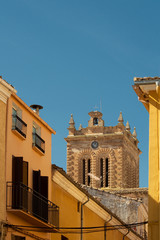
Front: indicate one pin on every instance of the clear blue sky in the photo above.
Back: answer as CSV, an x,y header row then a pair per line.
x,y
70,55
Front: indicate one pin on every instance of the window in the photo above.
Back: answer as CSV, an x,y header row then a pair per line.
x,y
18,125
19,183
40,197
14,116
37,142
33,201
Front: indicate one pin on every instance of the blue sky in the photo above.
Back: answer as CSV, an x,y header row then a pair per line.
x,y
69,56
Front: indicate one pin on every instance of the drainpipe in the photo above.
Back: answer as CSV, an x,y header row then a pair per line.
x,y
82,217
126,234
105,224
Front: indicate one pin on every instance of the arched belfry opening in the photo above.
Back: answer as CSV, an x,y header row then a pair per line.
x,y
95,121
84,176
104,172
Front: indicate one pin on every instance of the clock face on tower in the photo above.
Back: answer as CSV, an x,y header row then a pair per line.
x,y
94,144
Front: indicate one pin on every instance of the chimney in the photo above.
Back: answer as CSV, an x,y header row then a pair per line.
x,y
36,108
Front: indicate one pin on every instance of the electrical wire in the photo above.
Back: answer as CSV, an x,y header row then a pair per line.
x,y
75,230
125,225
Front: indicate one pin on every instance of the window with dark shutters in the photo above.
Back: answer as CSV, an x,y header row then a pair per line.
x,y
36,189
17,169
19,183
33,201
44,192
40,197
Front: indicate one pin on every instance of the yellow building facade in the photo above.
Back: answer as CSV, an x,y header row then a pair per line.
x,y
148,91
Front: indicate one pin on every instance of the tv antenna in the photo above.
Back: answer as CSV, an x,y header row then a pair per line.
x,y
100,105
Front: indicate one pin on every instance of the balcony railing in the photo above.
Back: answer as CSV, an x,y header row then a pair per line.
x,y
38,142
21,197
19,125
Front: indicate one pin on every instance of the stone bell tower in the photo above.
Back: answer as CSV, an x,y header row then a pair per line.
x,y
101,156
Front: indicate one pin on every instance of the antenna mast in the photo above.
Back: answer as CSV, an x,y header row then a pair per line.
x,y
100,105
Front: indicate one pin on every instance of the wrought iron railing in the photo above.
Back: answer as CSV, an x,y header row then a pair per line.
x,y
19,125
38,142
21,197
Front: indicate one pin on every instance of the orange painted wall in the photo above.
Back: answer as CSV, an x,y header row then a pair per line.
x,y
23,148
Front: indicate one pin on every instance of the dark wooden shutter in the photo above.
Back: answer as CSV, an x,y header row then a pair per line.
x,y
44,193
25,173
17,179
44,186
36,180
17,169
36,203
25,186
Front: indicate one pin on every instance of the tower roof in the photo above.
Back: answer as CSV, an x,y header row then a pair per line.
x,y
94,114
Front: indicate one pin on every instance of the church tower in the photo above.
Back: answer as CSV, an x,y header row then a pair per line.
x,y
100,156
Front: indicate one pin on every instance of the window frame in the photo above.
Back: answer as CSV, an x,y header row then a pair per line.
x,y
19,127
38,144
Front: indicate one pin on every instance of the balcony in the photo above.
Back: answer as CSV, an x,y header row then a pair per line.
x,y
32,206
19,127
38,144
